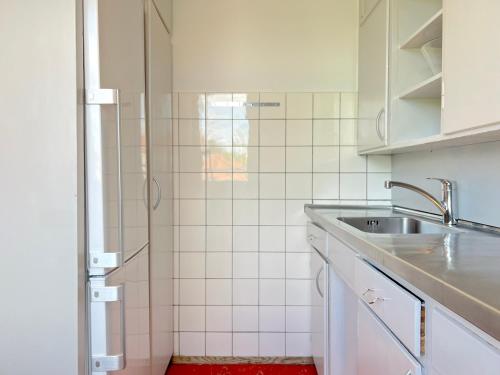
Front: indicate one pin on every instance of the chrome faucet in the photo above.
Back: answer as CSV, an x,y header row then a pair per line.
x,y
445,206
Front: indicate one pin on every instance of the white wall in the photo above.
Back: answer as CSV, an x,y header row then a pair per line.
x,y
39,278
265,45
474,169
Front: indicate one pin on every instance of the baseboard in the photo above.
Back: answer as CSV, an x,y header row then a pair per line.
x,y
242,360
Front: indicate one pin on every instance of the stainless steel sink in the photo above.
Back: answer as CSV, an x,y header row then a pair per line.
x,y
396,225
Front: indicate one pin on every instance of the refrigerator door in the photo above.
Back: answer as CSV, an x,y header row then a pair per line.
x,y
115,131
118,319
159,52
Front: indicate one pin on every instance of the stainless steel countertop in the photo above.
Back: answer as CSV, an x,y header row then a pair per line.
x,y
459,270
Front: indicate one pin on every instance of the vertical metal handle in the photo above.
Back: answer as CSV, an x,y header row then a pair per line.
x,y
158,195
120,175
377,124
317,282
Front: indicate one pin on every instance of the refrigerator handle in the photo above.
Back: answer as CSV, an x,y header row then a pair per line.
x,y
111,97
104,363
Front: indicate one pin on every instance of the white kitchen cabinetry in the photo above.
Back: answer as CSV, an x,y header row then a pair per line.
x,y
471,71
372,77
379,353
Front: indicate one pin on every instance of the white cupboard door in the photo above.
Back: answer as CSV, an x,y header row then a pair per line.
x,y
159,51
379,353
372,78
471,72
319,315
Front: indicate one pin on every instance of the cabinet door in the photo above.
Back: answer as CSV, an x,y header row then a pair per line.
x,y
161,184
471,72
166,12
372,78
319,314
379,353
365,7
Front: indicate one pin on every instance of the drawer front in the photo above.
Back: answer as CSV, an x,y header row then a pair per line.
x,y
400,310
458,351
317,238
342,260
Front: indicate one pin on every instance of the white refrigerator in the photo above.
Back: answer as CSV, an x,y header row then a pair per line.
x,y
119,182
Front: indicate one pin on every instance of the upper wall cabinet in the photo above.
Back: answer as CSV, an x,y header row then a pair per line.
x,y
471,68
165,8
372,75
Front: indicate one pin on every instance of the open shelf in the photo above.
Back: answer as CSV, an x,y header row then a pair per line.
x,y
430,88
432,29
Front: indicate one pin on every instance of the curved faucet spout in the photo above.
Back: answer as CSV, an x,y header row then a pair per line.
x,y
444,206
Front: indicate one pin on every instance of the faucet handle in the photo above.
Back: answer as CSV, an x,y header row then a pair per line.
x,y
445,182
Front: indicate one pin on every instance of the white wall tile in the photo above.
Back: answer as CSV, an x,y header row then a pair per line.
x,y
299,105
175,105
298,344
272,265
219,344
272,238
246,186
245,238
349,105
326,132
272,132
272,185
219,265
245,344
348,132
192,212
245,265
191,159
246,212
295,214
245,318
298,265
272,318
326,186
192,318
379,163
298,319
326,159
376,189
219,185
219,212
272,212
326,105
299,185
299,132
272,292
192,291
191,132
191,105
246,112
192,343
219,318
219,238
298,292
192,265
245,292
350,161
192,185
219,132
245,132
296,239
219,292
273,112
299,159
219,106
245,159
272,344
353,186
272,159
192,238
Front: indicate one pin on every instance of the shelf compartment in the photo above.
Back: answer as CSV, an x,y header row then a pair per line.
x,y
430,88
432,29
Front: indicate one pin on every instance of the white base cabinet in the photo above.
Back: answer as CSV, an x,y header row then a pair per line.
x,y
319,314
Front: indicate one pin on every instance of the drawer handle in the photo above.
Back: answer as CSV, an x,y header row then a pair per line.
x,y
408,372
312,237
369,290
318,288
376,299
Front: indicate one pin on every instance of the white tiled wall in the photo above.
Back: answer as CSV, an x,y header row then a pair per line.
x,y
243,177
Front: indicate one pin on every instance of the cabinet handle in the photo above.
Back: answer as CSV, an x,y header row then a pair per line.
x,y
377,124
317,282
158,196
369,290
409,372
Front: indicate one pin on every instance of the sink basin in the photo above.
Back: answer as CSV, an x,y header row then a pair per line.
x,y
395,225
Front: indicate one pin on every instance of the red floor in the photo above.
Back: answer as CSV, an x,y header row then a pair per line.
x,y
241,370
